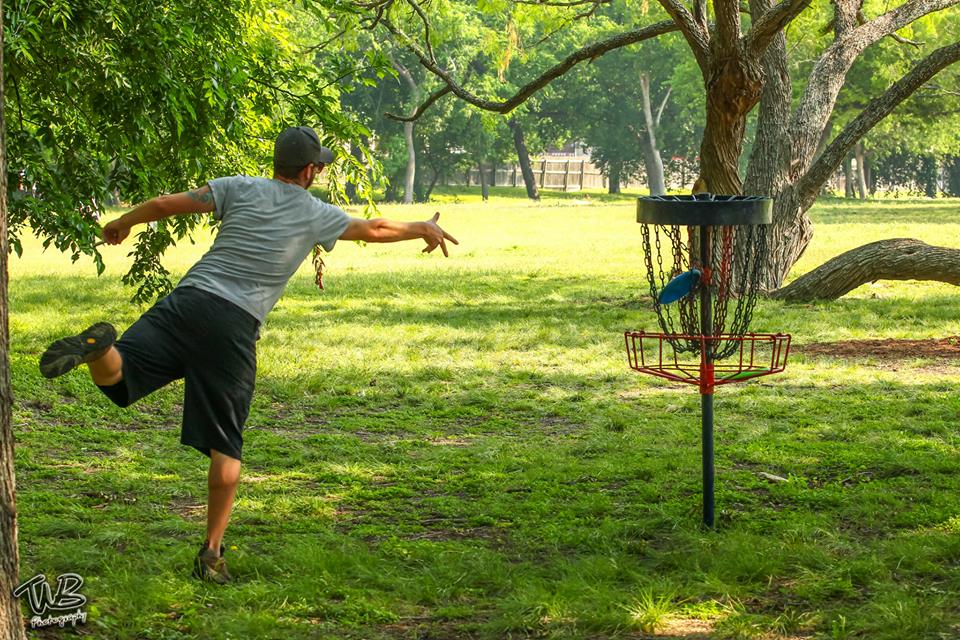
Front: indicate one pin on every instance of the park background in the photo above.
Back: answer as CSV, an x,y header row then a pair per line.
x,y
455,448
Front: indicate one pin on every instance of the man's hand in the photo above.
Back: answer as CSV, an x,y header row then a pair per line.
x,y
435,237
383,230
200,200
116,231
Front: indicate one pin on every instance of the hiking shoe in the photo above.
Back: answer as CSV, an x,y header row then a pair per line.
x,y
66,354
210,567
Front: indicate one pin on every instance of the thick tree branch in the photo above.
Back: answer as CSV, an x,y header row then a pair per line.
x,y
663,105
894,259
830,71
727,15
433,97
769,159
588,52
772,22
844,16
700,14
898,18
697,36
862,19
876,110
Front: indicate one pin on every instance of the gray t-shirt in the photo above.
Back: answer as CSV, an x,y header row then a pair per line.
x,y
267,228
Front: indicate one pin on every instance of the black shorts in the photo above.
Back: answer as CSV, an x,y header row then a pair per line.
x,y
208,341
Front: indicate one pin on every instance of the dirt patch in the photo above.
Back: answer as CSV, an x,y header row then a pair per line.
x,y
887,349
188,508
687,628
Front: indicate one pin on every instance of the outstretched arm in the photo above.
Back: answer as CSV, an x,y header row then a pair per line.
x,y
383,230
199,200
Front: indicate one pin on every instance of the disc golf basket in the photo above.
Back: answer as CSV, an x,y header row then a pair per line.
x,y
704,257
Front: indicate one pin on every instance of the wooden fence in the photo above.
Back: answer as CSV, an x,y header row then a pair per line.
x,y
564,174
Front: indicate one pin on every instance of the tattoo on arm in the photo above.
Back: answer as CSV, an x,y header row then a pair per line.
x,y
202,195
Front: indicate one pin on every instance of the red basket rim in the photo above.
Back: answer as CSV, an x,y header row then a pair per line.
x,y
745,364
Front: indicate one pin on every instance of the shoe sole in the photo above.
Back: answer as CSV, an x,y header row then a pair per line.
x,y
68,353
209,574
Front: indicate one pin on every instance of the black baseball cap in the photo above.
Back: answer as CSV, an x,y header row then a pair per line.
x,y
299,146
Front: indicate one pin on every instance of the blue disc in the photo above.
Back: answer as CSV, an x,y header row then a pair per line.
x,y
680,286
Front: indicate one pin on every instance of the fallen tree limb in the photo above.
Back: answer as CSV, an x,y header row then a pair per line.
x,y
894,259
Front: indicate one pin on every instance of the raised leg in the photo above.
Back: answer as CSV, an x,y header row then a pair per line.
x,y
107,370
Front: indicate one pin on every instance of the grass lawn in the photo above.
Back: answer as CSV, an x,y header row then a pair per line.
x,y
455,448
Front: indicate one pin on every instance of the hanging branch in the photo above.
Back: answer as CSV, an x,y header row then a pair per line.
x,y
588,52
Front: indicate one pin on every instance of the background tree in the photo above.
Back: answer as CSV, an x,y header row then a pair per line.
x,y
620,106
743,59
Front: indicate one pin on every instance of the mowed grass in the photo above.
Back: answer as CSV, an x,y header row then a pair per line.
x,y
455,448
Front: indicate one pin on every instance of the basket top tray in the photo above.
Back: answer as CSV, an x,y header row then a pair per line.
x,y
704,209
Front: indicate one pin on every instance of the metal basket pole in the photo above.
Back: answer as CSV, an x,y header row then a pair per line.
x,y
706,379
737,217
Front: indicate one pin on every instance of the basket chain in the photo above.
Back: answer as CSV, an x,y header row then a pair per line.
x,y
744,253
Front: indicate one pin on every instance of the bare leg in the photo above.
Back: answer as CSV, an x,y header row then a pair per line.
x,y
107,369
222,487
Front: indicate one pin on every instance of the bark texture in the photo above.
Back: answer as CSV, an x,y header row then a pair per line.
x,y
734,85
11,621
895,259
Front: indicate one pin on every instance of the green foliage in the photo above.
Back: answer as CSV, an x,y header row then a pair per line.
x,y
111,99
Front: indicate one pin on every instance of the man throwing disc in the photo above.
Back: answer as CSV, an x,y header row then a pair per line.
x,y
206,330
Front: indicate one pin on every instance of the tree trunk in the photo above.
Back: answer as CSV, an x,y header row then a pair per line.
x,y
351,188
11,622
484,185
523,158
788,237
861,172
894,259
953,176
411,174
613,185
734,86
770,158
652,161
433,183
848,178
